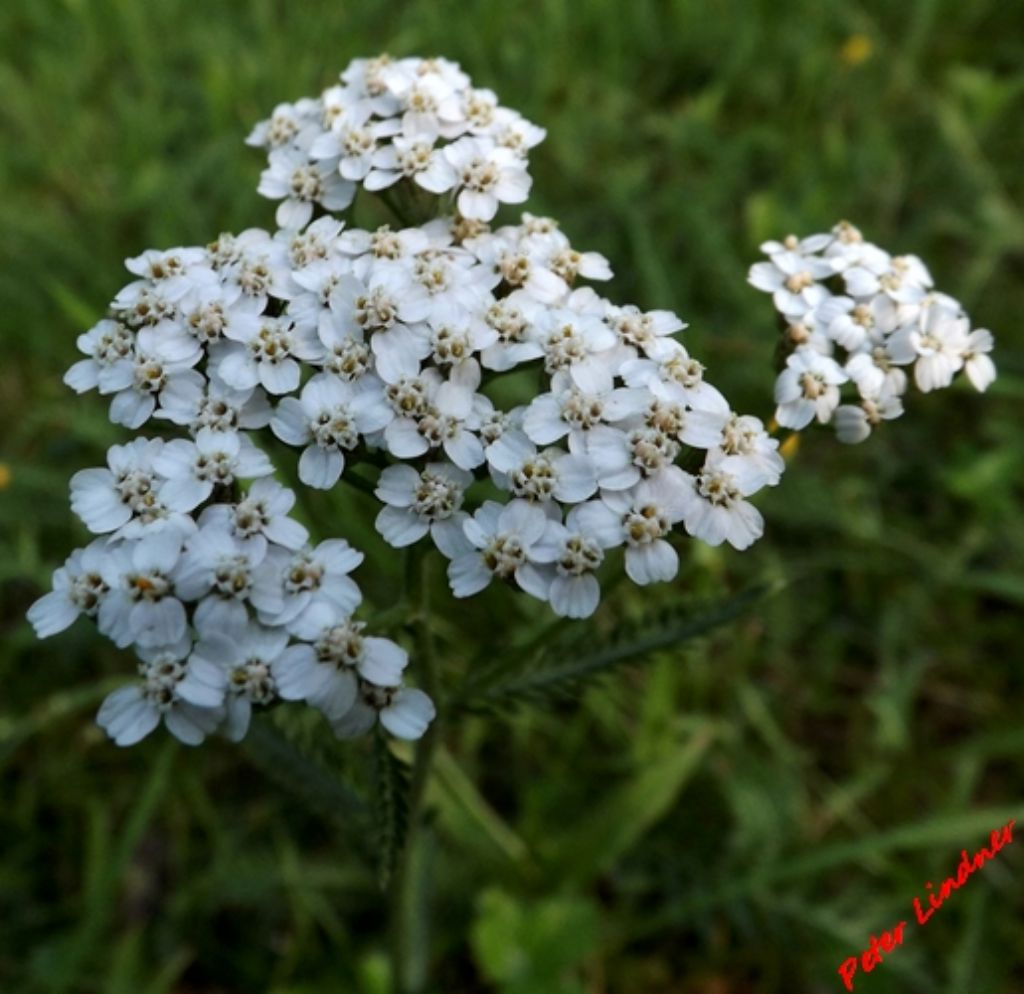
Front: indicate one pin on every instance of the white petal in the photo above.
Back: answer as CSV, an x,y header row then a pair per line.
x,y
409,714
400,527
575,596
651,563
320,468
52,613
383,662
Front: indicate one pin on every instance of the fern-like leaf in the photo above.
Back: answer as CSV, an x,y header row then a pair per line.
x,y
557,670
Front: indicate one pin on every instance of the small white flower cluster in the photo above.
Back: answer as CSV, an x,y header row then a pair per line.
x,y
227,607
885,316
415,119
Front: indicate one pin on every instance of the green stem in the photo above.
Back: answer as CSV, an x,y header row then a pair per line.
x,y
410,887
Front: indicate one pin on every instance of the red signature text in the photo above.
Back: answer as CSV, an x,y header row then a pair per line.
x,y
888,941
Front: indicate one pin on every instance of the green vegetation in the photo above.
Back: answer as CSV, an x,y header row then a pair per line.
x,y
741,812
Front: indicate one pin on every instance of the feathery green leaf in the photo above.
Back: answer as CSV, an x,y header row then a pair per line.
x,y
559,668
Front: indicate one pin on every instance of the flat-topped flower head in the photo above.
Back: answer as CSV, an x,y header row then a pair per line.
x,y
874,314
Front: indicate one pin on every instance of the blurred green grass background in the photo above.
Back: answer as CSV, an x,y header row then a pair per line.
x,y
744,813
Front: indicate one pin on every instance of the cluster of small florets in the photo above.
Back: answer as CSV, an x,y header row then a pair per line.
x,y
419,120
228,606
883,317
351,344
371,347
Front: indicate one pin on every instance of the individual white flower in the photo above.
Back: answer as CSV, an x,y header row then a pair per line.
x,y
133,406
428,101
569,337
978,366
259,666
214,459
807,389
142,304
643,332
176,271
478,109
264,350
344,656
573,410
299,184
905,280
552,249
459,288
511,130
432,413
540,476
520,265
422,501
383,293
414,157
294,583
213,404
250,267
288,124
217,570
110,346
855,326
405,712
329,418
855,422
124,499
501,540
681,376
351,143
207,313
487,175
347,355
878,370
386,243
78,588
318,242
187,694
640,518
940,341
455,334
744,437
792,280
140,605
366,83
311,288
572,553
261,516
714,506
509,317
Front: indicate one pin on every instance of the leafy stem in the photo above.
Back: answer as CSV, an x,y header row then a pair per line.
x,y
409,887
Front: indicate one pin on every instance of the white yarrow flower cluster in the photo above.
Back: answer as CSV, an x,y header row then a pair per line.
x,y
380,349
418,120
856,317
